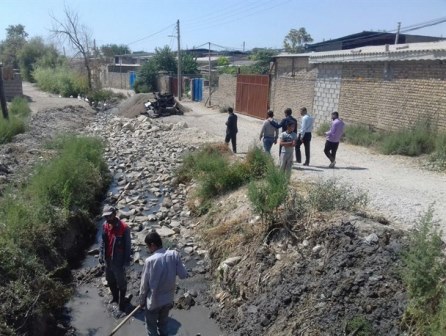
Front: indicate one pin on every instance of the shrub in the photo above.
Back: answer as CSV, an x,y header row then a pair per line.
x,y
438,157
19,111
411,142
61,80
361,135
268,194
258,162
359,326
329,195
423,274
324,127
34,220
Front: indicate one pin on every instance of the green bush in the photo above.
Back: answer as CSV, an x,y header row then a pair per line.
x,y
34,220
324,127
361,135
18,112
423,274
410,142
359,326
258,162
61,80
438,157
19,107
268,194
329,195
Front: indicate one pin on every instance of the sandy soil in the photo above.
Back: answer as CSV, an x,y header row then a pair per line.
x,y
399,188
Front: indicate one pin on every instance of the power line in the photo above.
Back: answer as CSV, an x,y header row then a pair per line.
x,y
148,36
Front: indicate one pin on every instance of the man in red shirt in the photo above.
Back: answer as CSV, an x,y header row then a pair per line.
x,y
115,252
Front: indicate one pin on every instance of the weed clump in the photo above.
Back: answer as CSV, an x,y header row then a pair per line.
x,y
324,127
16,124
423,275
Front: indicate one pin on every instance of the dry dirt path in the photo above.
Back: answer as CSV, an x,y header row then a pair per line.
x,y
397,186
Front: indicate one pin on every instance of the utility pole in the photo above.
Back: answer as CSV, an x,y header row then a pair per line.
x,y
179,61
243,46
397,33
210,74
3,104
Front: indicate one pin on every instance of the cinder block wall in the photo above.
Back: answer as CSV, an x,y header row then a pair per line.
x,y
13,87
224,95
393,95
116,80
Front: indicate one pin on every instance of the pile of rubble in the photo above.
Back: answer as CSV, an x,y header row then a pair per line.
x,y
162,105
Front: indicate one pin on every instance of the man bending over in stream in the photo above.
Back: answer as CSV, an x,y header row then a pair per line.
x,y
115,251
158,283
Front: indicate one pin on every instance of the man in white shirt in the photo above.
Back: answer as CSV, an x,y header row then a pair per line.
x,y
158,284
305,136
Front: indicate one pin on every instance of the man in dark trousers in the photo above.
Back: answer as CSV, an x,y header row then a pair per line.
x,y
304,136
115,252
284,123
333,137
231,129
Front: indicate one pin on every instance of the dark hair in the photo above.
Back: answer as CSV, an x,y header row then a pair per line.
x,y
303,109
270,113
153,238
230,110
336,114
288,111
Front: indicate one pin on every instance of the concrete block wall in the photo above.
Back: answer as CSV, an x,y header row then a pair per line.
x,y
115,79
224,94
13,87
293,91
327,89
394,95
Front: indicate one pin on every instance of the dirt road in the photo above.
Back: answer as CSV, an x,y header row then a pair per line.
x,y
398,187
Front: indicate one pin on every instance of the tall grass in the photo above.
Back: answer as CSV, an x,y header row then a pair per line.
x,y
414,141
33,223
423,274
438,157
19,110
61,80
361,135
324,127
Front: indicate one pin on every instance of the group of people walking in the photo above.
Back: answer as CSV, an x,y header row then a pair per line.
x,y
290,139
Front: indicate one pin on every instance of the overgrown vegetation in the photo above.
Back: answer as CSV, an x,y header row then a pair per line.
x,y
423,275
324,127
16,124
61,80
413,141
38,223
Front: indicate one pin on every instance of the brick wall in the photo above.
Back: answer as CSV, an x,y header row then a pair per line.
x,y
293,91
224,94
393,95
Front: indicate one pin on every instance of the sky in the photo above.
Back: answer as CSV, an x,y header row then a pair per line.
x,y
229,24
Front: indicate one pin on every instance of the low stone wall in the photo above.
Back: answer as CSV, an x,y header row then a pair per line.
x,y
224,94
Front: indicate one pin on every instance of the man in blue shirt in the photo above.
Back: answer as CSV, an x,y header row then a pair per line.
x,y
284,123
304,136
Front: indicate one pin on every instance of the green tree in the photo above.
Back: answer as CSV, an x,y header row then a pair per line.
x,y
165,60
189,65
110,50
15,40
223,61
263,57
295,40
34,52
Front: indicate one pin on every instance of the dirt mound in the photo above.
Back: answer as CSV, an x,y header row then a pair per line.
x,y
134,106
339,279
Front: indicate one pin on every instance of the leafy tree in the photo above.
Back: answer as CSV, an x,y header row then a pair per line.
x,y
34,52
110,50
222,61
296,39
189,65
165,60
15,40
263,57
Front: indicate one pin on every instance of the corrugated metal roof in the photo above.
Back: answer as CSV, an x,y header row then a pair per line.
x,y
393,52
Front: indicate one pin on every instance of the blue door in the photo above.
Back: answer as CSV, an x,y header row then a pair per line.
x,y
132,78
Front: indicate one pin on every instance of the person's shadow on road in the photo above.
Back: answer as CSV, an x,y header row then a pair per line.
x,y
340,167
172,325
